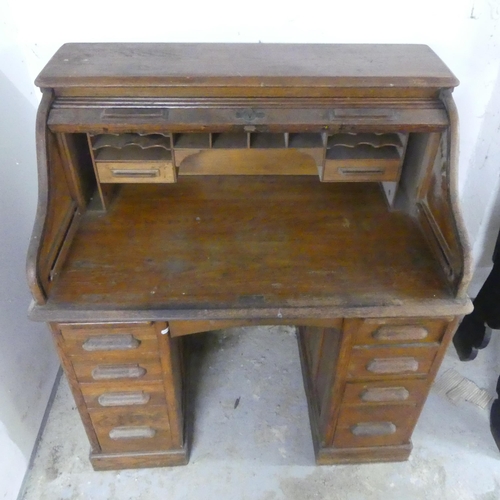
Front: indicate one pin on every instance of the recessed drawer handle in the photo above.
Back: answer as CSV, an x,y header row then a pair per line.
x,y
132,433
409,332
373,429
152,172
361,171
118,371
124,398
373,114
392,365
120,342
124,113
384,394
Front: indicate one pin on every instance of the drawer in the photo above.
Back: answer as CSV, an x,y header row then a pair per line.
x,y
121,430
400,330
136,172
385,392
110,373
385,362
113,342
124,395
375,425
361,171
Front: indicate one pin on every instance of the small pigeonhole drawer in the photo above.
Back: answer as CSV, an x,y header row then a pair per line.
x,y
364,157
127,172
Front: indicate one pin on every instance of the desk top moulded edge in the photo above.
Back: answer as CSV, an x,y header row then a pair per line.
x,y
306,69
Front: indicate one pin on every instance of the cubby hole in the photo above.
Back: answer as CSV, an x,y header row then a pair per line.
x,y
267,141
192,141
306,140
229,140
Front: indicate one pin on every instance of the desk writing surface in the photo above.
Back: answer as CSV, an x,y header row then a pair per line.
x,y
247,241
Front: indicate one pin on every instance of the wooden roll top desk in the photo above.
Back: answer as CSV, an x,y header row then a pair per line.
x,y
192,187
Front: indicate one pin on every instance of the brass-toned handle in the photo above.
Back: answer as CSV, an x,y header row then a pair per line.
x,y
132,433
403,332
117,342
124,398
384,394
118,371
361,171
152,172
373,429
392,365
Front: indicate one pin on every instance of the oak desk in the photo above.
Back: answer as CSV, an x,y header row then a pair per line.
x,y
191,187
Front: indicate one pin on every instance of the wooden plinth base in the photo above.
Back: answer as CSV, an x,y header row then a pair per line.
x,y
116,461
332,456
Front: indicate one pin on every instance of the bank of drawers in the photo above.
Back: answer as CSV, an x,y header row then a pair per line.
x,y
119,372
387,380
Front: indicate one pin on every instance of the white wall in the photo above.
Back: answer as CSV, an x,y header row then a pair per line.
x,y
28,363
465,33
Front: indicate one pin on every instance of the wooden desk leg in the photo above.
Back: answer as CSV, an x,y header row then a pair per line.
x,y
324,354
127,381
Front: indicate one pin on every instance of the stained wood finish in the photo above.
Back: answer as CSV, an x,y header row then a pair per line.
x,y
130,398
379,362
248,162
120,430
386,391
220,66
130,460
254,236
378,331
375,278
375,426
179,328
276,115
98,395
76,389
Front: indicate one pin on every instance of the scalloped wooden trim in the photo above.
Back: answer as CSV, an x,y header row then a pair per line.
x,y
466,276
35,282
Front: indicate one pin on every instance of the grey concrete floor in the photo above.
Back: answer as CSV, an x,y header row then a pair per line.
x,y
262,450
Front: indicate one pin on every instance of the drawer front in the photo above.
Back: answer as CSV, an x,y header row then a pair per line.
x,y
385,392
125,395
400,331
116,342
136,172
390,362
132,430
375,426
361,171
111,373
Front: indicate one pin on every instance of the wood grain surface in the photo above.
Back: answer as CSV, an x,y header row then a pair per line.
x,y
209,242
292,65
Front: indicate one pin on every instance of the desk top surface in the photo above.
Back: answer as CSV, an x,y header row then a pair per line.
x,y
250,65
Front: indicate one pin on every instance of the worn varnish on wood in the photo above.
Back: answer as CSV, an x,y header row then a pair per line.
x,y
189,187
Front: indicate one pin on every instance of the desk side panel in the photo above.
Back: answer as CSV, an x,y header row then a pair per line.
x,y
57,214
438,208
